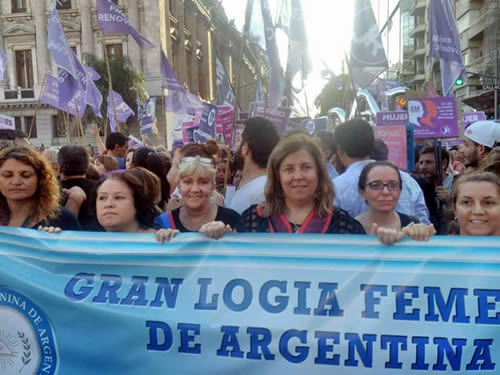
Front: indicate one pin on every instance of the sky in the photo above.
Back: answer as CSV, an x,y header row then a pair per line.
x,y
329,28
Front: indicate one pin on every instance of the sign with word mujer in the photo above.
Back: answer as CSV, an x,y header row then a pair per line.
x,y
434,117
104,303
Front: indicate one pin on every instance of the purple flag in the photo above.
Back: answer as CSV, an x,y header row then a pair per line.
x,y
54,92
367,58
123,111
298,53
112,20
275,82
57,44
177,99
445,43
68,86
3,64
94,76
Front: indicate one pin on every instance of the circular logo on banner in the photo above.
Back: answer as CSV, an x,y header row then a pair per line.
x,y
27,344
211,117
311,127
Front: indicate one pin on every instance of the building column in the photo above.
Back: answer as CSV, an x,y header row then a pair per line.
x,y
134,51
181,53
88,43
42,56
151,30
3,82
194,60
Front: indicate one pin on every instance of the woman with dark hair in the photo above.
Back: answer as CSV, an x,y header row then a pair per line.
x,y
380,186
151,160
29,192
129,159
475,200
123,205
298,193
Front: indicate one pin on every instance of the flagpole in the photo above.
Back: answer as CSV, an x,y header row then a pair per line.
x,y
68,132
358,113
37,107
80,125
106,57
236,91
303,87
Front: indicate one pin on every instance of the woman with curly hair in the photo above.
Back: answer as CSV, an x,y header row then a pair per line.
x,y
29,192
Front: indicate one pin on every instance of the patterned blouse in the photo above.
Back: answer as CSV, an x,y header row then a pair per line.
x,y
341,223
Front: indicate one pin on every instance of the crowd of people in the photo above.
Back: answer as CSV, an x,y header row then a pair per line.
x,y
332,182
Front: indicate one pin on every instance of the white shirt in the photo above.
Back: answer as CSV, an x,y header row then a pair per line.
x,y
249,194
411,201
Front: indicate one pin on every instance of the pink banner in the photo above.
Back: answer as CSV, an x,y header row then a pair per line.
x,y
188,127
223,123
394,137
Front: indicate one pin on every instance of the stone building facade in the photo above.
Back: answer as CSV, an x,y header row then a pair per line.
x,y
192,32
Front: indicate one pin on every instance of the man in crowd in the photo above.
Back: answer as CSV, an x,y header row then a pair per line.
x,y
116,145
355,143
480,138
73,163
257,142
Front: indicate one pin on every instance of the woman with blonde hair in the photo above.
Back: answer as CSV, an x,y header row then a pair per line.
x,y
196,184
29,192
475,201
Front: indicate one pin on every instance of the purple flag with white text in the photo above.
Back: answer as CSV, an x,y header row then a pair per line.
x,y
57,44
367,57
94,76
123,111
112,20
68,86
54,91
3,64
445,43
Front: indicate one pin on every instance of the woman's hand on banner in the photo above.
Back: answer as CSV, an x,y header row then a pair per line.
x,y
164,235
215,229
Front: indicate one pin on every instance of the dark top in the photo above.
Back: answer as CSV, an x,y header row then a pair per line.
x,y
341,222
406,220
226,215
87,215
66,221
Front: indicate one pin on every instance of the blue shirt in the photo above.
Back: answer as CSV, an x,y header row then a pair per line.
x,y
411,202
332,172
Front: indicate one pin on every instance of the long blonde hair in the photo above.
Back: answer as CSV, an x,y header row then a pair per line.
x,y
275,197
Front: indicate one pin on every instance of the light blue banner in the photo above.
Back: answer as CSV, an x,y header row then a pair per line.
x,y
102,303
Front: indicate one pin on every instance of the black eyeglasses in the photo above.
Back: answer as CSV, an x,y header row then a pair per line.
x,y
379,186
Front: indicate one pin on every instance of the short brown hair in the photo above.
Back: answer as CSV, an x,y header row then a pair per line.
x,y
275,198
109,162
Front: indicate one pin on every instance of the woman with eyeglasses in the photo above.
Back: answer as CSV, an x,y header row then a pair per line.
x,y
196,184
380,186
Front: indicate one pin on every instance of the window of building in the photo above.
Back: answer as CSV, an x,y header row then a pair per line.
x,y
114,50
18,6
24,69
58,126
27,127
63,4
19,125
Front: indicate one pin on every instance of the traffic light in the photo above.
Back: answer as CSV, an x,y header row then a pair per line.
x,y
459,82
